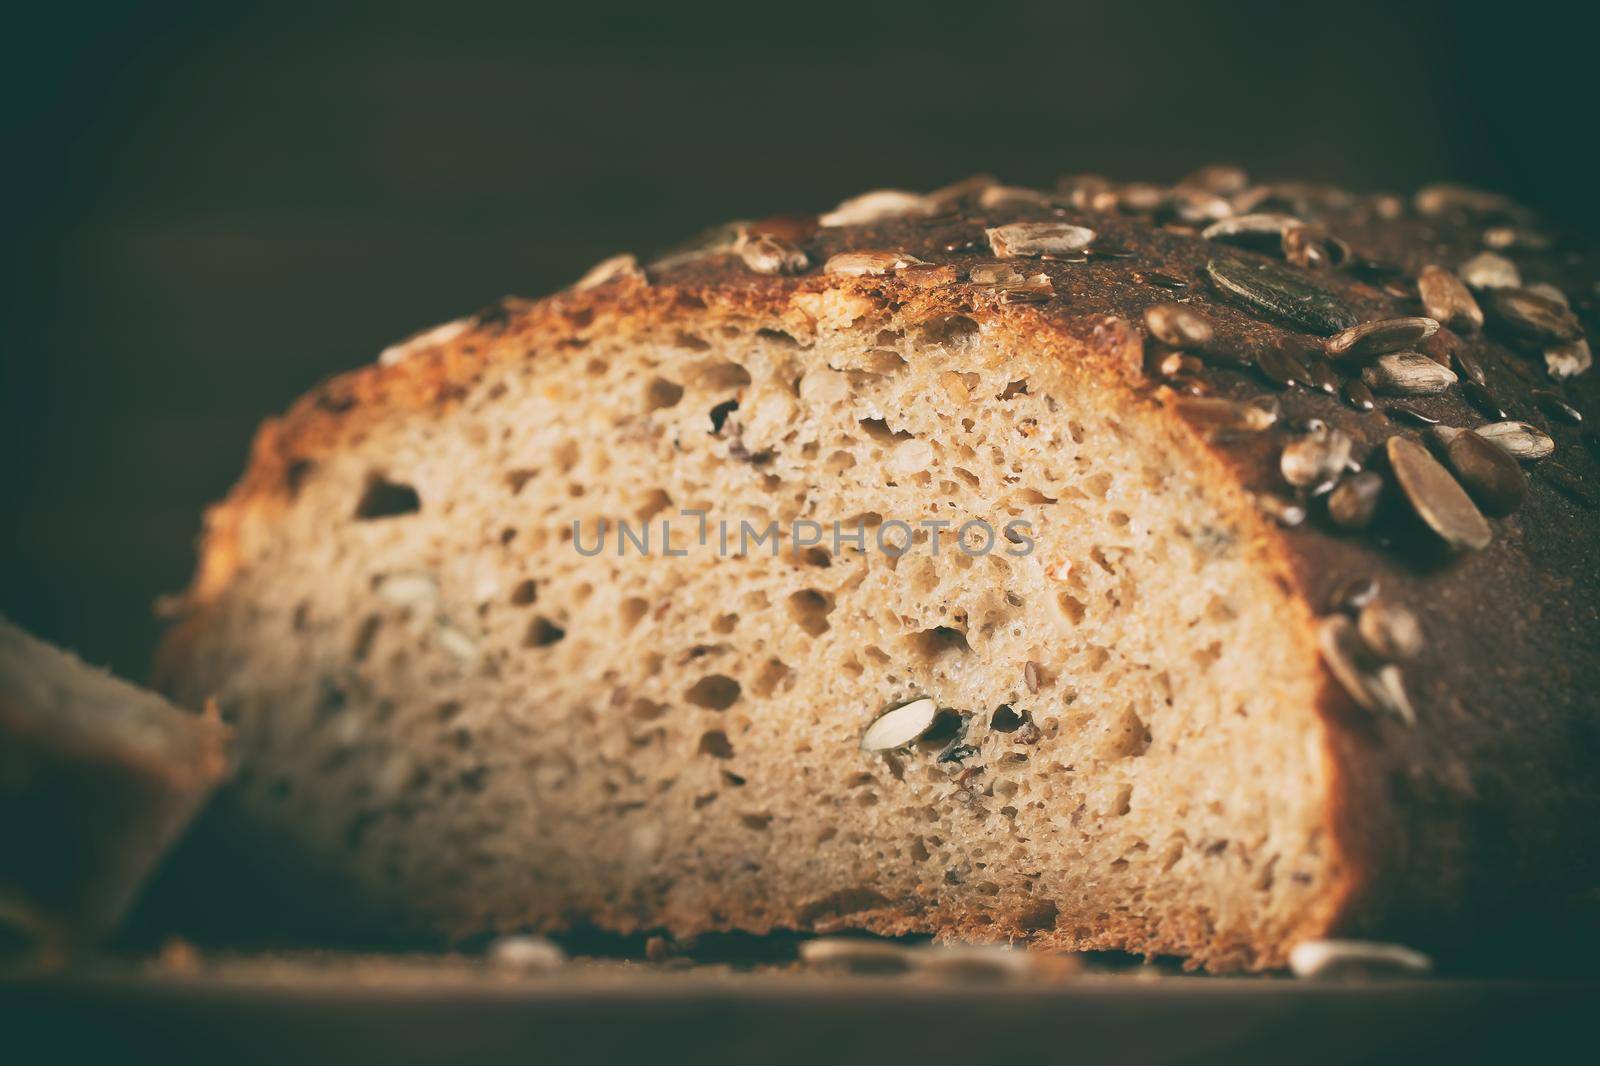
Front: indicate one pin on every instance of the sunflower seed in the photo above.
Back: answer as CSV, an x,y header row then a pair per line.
x,y
1195,206
1165,281
1437,497
716,240
1354,593
1011,197
1517,439
899,726
526,953
984,963
1218,413
1286,513
1359,396
1407,374
860,264
1445,298
1556,407
1038,238
849,955
1467,365
1280,293
772,255
1313,247
1482,399
1383,335
1142,198
1490,475
1258,230
1281,368
1506,238
1179,365
960,192
1316,458
1374,686
1323,377
1084,191
618,266
1354,501
1532,316
1335,959
1568,360
1178,326
1390,631
1489,271
1221,179
1406,413
1443,199
876,206
1103,249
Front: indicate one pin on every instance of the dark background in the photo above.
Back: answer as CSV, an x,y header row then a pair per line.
x,y
213,208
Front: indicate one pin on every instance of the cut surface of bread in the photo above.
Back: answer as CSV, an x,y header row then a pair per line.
x,y
579,611
97,779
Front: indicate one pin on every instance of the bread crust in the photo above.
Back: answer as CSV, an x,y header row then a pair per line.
x,y
1488,805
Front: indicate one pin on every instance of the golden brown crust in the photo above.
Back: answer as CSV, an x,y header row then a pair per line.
x,y
1491,796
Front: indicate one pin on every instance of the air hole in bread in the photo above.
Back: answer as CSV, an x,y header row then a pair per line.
x,y
542,633
295,475
631,610
525,592
383,498
930,644
715,743
720,376
715,692
809,609
719,415
662,394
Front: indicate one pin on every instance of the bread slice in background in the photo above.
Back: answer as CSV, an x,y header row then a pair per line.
x,y
474,726
98,779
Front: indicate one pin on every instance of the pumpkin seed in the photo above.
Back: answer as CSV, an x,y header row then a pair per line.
x,y
1437,497
1280,293
1491,476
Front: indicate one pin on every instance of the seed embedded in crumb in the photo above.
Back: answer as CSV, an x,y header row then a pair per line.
x,y
1334,959
899,726
1038,238
1178,326
1446,298
1030,675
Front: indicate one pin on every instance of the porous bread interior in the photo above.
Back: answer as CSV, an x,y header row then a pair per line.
x,y
444,698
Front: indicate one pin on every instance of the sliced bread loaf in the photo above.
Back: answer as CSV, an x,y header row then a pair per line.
x,y
998,564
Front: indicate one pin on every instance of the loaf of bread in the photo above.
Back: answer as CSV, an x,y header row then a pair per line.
x,y
97,779
1183,570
